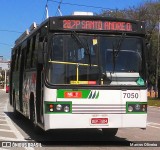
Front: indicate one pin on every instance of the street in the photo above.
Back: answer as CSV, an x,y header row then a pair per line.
x,y
20,129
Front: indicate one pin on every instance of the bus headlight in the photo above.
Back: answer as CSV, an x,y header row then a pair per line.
x,y
130,108
58,107
136,107
66,109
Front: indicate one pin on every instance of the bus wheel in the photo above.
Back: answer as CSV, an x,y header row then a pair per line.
x,y
110,132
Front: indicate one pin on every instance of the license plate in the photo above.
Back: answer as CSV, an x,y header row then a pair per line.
x,y
99,120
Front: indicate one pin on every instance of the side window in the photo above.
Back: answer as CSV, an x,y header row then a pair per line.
x,y
28,58
14,61
33,52
17,54
16,57
41,44
18,60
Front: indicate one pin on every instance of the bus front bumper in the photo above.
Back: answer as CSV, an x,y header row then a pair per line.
x,y
77,121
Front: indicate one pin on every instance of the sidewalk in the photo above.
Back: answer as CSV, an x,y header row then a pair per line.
x,y
3,89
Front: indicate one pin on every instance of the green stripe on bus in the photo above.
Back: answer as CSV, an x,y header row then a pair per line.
x,y
61,93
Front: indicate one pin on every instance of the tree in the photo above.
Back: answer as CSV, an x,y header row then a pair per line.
x,y
149,12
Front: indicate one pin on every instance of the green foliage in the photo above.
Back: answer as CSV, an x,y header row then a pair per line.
x,y
149,12
154,102
2,75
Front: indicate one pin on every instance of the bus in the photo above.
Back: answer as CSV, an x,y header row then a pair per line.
x,y
81,72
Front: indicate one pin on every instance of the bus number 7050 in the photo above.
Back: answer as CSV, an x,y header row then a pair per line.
x,y
131,95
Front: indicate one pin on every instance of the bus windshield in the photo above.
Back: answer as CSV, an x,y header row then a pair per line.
x,y
95,59
122,60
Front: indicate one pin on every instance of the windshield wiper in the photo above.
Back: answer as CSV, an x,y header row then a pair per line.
x,y
113,58
82,45
118,47
117,50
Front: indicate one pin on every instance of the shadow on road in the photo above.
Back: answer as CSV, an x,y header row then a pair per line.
x,y
71,137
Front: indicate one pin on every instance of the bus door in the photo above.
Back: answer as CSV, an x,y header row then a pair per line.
x,y
21,73
41,43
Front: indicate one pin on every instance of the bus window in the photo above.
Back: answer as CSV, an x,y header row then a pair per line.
x,y
14,60
69,61
33,53
17,59
57,53
28,53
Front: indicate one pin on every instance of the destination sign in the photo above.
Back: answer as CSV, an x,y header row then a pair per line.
x,y
98,25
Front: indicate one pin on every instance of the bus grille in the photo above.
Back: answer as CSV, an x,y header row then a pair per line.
x,y
98,108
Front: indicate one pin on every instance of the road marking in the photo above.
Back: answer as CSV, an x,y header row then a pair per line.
x,y
2,119
13,129
6,130
153,112
153,125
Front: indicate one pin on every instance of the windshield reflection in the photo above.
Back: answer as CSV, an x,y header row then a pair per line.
x,y
69,62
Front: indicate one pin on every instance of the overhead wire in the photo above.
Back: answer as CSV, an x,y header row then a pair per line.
x,y
91,6
59,8
6,44
10,31
73,4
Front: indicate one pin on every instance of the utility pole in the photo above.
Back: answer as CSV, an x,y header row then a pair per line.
x,y
157,62
5,78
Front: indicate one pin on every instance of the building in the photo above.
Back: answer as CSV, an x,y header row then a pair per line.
x,y
4,64
4,72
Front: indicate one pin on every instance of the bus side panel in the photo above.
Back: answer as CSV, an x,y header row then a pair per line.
x,y
15,89
29,87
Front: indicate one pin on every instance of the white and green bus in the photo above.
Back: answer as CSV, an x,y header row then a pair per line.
x,y
81,72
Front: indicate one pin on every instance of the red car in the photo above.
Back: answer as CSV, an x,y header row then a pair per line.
x,y
7,88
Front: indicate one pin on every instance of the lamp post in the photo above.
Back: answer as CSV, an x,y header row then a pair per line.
x,y
157,62
5,78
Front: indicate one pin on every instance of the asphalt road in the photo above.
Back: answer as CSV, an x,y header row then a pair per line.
x,y
20,129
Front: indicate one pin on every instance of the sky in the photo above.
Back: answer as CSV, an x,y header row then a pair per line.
x,y
17,15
